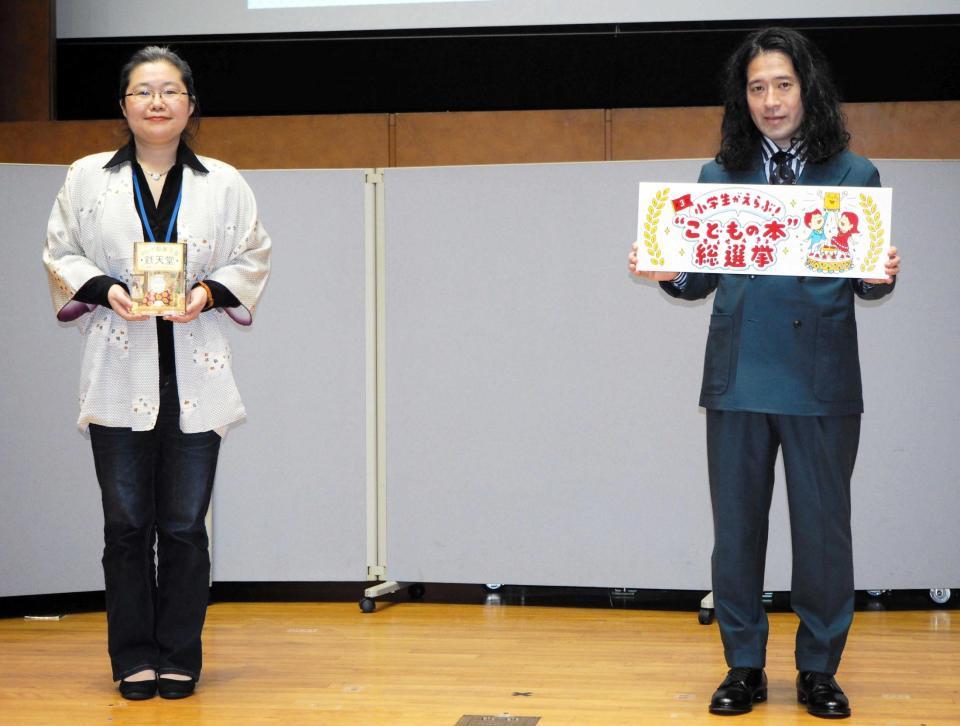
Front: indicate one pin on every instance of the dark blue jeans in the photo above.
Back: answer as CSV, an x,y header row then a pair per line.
x,y
156,487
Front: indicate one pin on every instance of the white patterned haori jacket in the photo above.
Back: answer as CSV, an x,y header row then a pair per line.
x,y
91,232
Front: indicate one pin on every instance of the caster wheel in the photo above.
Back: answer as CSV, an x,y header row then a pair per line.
x,y
940,595
705,617
492,586
877,593
368,604
416,591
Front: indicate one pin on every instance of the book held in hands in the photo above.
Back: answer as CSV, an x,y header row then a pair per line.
x,y
158,283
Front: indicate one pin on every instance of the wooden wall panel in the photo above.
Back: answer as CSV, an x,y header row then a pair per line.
x,y
254,142
919,130
56,142
881,131
905,130
665,133
26,59
297,142
499,137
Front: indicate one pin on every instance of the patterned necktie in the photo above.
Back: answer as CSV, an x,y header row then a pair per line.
x,y
780,170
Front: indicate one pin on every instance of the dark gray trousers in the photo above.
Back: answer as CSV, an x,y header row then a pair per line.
x,y
818,455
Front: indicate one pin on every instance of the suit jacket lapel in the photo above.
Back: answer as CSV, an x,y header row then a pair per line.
x,y
749,176
833,171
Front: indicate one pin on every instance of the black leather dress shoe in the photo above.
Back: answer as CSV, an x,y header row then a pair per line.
x,y
172,688
822,695
739,691
138,690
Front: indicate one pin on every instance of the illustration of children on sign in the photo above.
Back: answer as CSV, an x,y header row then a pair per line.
x,y
816,221
847,226
833,255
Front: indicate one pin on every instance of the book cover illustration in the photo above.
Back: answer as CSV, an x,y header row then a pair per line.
x,y
158,282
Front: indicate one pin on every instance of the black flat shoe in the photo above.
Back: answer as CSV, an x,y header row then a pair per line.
x,y
172,688
822,695
739,691
138,690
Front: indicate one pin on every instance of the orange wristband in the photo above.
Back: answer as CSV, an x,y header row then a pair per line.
x,y
206,289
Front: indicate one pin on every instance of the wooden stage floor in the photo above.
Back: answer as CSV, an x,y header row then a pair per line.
x,y
428,664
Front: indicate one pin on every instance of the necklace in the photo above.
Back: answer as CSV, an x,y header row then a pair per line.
x,y
155,175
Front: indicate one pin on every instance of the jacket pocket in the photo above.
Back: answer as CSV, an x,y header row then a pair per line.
x,y
716,363
837,361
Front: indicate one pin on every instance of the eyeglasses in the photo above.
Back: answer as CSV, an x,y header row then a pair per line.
x,y
144,95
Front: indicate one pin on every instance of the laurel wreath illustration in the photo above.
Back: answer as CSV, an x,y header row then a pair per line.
x,y
875,225
650,226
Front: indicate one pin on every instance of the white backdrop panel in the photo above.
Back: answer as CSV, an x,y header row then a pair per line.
x,y
289,499
542,425
51,522
289,502
905,498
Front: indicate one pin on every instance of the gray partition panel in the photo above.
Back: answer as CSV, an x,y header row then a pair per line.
x,y
51,523
542,421
542,425
289,501
290,490
905,495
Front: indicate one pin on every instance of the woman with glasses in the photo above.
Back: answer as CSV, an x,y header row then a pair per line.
x,y
157,393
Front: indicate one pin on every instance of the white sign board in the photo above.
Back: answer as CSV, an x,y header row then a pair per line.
x,y
763,229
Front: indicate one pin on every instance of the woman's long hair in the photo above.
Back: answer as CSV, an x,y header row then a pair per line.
x,y
823,128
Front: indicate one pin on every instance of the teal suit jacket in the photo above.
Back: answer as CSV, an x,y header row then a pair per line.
x,y
777,344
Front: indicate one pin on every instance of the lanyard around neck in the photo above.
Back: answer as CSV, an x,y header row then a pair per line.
x,y
143,211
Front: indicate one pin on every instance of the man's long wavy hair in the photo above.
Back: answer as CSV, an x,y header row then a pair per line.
x,y
823,128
